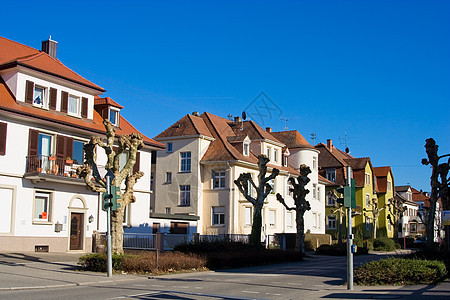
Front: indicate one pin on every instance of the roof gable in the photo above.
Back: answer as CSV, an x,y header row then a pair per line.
x,y
292,139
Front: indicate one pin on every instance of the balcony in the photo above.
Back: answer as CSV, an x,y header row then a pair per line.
x,y
51,169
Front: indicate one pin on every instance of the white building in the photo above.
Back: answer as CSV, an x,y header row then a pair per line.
x,y
47,113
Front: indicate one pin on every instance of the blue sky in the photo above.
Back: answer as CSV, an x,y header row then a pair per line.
x,y
378,71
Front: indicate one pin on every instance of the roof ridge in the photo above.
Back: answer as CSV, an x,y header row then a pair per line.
x,y
192,122
207,114
23,45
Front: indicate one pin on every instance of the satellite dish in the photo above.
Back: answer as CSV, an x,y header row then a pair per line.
x,y
347,150
244,115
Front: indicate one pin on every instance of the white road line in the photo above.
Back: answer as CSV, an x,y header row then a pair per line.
x,y
294,283
156,285
250,292
273,294
139,285
198,288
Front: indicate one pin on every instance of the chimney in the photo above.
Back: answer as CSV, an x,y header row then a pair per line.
x,y
196,114
49,47
269,129
330,145
237,120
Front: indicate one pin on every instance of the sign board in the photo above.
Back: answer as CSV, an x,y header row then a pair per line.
x,y
446,217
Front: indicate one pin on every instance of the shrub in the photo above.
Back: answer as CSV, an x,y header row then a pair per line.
x,y
335,250
400,271
384,244
97,262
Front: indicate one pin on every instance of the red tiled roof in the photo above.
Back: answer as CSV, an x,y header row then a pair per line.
x,y
381,171
106,101
357,163
326,181
8,104
14,54
419,196
186,126
292,139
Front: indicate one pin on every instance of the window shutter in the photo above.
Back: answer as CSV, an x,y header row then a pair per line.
x,y
64,101
84,107
53,93
3,138
29,91
138,160
69,147
60,145
33,142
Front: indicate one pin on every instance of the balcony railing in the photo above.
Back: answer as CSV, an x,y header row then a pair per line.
x,y
51,165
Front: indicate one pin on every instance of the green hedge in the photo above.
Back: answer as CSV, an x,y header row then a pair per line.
x,y
97,262
400,271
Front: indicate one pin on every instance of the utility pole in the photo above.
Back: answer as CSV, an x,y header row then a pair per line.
x,y
349,235
108,224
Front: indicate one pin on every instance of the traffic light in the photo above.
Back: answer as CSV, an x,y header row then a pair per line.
x,y
107,201
340,200
347,192
110,200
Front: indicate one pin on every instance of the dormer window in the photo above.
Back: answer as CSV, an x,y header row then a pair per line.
x,y
114,116
74,106
246,149
331,174
39,96
285,160
275,155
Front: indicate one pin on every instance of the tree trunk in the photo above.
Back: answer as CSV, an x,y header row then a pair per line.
x,y
255,236
117,231
431,216
340,229
375,223
300,238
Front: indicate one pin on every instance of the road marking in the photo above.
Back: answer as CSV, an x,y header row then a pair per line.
x,y
273,294
180,286
294,283
246,274
198,288
250,292
139,285
157,285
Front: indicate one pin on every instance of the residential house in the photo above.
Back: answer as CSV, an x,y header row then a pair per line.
x,y
47,113
410,224
385,195
194,177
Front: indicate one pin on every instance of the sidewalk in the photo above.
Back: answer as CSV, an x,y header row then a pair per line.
x,y
48,270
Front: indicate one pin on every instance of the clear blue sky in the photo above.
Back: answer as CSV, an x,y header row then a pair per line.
x,y
378,70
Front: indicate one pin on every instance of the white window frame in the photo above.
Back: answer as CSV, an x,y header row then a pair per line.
x,y
185,162
275,155
220,175
185,195
168,177
272,184
285,160
268,151
169,147
367,178
44,102
126,215
389,185
314,190
246,149
331,174
367,200
218,215
116,121
368,222
48,207
314,163
331,222
272,218
77,99
248,216
168,210
289,219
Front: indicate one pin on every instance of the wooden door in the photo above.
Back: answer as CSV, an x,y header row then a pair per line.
x,y
76,231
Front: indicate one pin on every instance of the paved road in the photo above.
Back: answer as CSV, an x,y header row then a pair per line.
x,y
317,277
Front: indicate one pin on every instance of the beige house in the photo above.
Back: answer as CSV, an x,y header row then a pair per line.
x,y
194,176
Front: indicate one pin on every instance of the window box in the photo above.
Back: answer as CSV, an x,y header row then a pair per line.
x,y
52,158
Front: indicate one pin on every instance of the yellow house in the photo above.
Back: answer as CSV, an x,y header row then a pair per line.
x,y
385,193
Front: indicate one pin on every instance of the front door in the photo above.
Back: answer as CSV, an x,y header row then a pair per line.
x,y
76,231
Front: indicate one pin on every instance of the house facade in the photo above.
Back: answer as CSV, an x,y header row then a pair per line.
x,y
47,113
385,194
194,176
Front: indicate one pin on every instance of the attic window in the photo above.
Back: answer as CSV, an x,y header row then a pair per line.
x,y
246,149
39,96
114,116
74,106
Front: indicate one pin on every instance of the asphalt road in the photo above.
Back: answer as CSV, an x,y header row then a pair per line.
x,y
316,277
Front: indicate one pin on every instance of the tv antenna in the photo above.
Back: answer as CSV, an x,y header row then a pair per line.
x,y
285,120
345,141
313,137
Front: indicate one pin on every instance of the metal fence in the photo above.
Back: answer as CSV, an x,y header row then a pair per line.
x,y
139,241
243,238
171,240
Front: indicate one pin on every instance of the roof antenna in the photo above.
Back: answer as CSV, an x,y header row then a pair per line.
x,y
285,120
313,137
344,141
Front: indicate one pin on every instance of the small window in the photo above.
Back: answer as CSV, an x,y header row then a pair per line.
x,y
114,116
246,149
367,224
250,187
123,158
248,216
314,191
218,215
413,227
389,185
42,207
314,166
272,184
218,179
272,214
367,179
77,155
39,97
268,150
289,219
367,200
331,222
168,177
74,106
331,174
169,147
152,182
318,193
168,211
185,195
275,155
185,165
285,160
331,201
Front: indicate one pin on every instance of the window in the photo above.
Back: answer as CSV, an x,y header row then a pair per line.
x,y
218,179
331,201
318,193
250,187
246,149
39,96
126,217
272,184
314,166
168,177
248,216
289,219
268,150
331,174
331,222
152,182
3,127
272,218
275,155
77,155
367,199
285,160
123,158
74,106
167,210
114,116
389,185
169,147
367,224
218,215
185,195
367,179
315,220
413,227
41,207
389,226
185,161
314,190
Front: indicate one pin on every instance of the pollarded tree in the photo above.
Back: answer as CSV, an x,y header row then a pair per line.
x,y
341,210
245,183
396,208
89,172
299,193
376,211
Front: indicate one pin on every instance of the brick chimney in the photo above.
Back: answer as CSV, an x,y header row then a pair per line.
x,y
49,47
330,145
237,120
269,129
